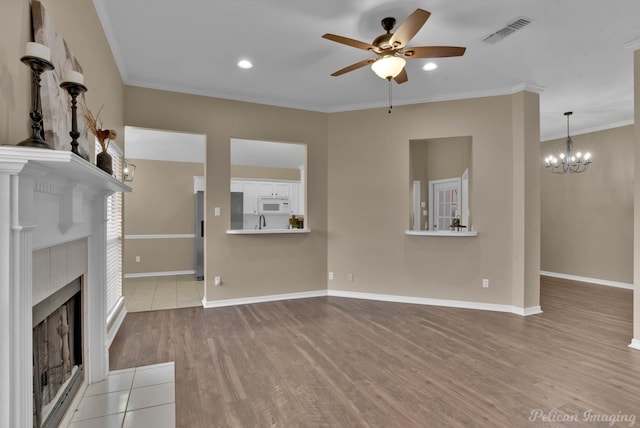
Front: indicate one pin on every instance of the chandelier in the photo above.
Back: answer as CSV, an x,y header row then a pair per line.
x,y
567,161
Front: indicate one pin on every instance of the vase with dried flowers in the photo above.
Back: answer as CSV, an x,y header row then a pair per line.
x,y
104,136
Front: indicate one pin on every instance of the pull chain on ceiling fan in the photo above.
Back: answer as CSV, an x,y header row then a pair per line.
x,y
392,51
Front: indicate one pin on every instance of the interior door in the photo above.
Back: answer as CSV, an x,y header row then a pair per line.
x,y
444,201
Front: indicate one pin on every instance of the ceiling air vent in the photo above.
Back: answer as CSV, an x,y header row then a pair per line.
x,y
507,30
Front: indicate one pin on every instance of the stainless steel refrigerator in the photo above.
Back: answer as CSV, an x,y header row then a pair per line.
x,y
199,232
237,208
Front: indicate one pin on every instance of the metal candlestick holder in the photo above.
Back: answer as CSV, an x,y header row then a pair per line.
x,y
74,89
38,66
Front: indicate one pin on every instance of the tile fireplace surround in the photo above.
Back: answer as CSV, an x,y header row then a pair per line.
x,y
48,198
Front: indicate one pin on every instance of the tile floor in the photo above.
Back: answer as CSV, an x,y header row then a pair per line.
x,y
138,397
162,292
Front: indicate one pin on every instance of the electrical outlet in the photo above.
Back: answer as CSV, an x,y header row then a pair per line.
x,y
137,259
216,211
350,276
330,276
217,280
485,283
423,204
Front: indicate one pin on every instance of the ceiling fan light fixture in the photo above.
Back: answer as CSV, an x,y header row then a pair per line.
x,y
388,67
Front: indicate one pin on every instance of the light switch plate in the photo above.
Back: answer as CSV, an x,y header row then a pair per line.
x,y
216,211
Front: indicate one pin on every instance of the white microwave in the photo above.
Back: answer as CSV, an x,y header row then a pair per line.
x,y
274,206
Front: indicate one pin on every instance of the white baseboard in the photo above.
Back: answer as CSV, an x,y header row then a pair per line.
x,y
261,299
111,334
379,297
525,312
162,236
437,302
148,274
635,344
589,280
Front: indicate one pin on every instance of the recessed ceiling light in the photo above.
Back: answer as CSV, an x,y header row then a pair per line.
x,y
246,64
430,66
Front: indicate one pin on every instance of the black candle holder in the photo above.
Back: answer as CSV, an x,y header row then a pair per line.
x,y
74,89
38,66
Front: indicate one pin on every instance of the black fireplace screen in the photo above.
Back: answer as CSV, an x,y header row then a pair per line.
x,y
57,360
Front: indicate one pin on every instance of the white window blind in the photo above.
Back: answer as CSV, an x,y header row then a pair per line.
x,y
114,235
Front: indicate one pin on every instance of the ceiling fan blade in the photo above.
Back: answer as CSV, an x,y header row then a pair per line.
x,y
402,76
350,42
433,51
409,28
352,67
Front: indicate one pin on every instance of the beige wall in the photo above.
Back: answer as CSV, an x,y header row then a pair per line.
x,y
248,265
368,171
525,193
161,203
587,219
78,23
264,173
158,255
418,166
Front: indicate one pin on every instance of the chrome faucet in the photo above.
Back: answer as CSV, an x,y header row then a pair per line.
x,y
262,221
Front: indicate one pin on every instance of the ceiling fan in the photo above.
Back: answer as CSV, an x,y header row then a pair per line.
x,y
391,48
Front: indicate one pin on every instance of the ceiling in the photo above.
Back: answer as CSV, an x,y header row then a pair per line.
x,y
578,52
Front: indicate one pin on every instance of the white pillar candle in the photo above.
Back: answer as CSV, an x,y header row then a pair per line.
x,y
39,51
73,76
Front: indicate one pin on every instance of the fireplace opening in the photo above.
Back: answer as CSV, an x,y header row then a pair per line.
x,y
57,354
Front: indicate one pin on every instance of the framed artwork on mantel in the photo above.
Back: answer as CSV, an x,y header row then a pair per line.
x,y
56,103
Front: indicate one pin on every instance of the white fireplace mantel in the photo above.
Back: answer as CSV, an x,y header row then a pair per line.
x,y
47,198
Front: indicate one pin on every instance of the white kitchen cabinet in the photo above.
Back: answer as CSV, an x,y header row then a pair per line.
x,y
294,198
236,186
250,197
273,189
282,190
265,189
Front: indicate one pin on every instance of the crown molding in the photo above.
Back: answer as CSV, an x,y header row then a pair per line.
x,y
581,131
633,44
446,97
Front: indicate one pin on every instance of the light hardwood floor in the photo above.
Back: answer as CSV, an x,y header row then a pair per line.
x,y
336,362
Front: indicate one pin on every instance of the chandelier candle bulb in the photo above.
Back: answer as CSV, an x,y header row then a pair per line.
x,y
38,51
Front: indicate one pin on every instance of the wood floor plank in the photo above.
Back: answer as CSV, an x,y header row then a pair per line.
x,y
336,362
